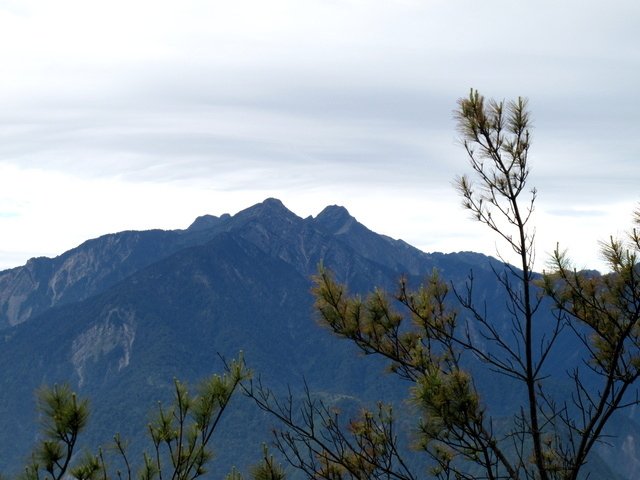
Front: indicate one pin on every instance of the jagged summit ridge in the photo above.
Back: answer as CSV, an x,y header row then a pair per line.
x,y
336,219
204,222
98,264
271,207
333,218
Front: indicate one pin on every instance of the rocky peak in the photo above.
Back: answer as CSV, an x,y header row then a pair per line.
x,y
271,210
205,222
336,219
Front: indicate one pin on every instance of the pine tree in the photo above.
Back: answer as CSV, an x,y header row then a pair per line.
x,y
431,336
181,433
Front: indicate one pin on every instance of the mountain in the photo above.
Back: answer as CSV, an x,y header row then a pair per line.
x,y
119,317
99,264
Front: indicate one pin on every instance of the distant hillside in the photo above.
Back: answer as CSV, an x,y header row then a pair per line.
x,y
122,315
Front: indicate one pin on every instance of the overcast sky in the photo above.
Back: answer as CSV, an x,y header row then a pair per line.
x,y
145,114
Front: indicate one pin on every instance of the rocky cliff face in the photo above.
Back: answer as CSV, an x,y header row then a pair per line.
x,y
112,335
16,287
86,270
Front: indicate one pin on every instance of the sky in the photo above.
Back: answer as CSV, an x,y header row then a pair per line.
x,y
131,115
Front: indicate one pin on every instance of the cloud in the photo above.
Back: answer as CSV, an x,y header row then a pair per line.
x,y
575,213
315,102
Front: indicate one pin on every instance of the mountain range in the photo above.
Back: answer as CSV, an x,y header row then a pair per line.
x,y
119,317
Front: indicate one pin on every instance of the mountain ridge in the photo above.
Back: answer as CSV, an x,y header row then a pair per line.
x,y
99,263
125,313
120,316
